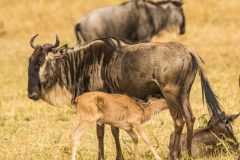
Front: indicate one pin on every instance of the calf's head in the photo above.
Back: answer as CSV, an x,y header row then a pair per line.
x,y
224,130
209,136
37,60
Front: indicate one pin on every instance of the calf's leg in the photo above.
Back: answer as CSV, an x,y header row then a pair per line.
x,y
134,137
143,135
75,137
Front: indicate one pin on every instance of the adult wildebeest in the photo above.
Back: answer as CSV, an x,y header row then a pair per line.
x,y
110,65
136,21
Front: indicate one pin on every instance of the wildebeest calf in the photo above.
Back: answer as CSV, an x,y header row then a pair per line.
x,y
116,110
206,140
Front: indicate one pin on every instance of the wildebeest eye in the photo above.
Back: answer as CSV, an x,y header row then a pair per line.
x,y
41,59
63,49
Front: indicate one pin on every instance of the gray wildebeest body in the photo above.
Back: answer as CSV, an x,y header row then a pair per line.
x,y
136,21
138,70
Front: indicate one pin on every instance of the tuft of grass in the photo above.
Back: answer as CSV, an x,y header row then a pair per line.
x,y
224,147
203,120
63,117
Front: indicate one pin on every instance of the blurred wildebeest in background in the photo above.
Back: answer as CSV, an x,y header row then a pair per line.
x,y
135,21
207,140
138,70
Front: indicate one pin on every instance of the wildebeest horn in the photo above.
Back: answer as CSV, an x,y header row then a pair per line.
x,y
56,43
177,3
31,41
233,117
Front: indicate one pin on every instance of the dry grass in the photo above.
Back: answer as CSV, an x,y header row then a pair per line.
x,y
35,130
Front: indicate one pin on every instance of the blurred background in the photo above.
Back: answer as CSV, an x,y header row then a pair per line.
x,y
36,130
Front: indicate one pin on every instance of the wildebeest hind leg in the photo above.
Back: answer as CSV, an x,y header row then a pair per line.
x,y
189,118
115,133
100,136
186,108
173,100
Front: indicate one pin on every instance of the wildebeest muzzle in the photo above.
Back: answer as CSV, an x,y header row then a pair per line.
x,y
34,95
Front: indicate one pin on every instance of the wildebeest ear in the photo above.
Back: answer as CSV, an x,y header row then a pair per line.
x,y
63,49
233,117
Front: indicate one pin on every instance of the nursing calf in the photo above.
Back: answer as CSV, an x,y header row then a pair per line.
x,y
116,110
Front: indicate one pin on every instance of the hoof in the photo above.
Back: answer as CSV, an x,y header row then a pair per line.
x,y
100,158
120,158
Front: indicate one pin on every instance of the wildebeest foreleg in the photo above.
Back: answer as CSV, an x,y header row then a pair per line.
x,y
115,133
100,136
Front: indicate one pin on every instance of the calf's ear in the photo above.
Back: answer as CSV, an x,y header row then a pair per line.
x,y
233,117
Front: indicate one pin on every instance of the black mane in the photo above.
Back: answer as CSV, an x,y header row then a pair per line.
x,y
112,42
75,65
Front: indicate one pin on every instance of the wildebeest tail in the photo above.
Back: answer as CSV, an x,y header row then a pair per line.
x,y
207,92
78,32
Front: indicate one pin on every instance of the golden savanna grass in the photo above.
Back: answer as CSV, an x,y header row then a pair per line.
x,y
36,130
